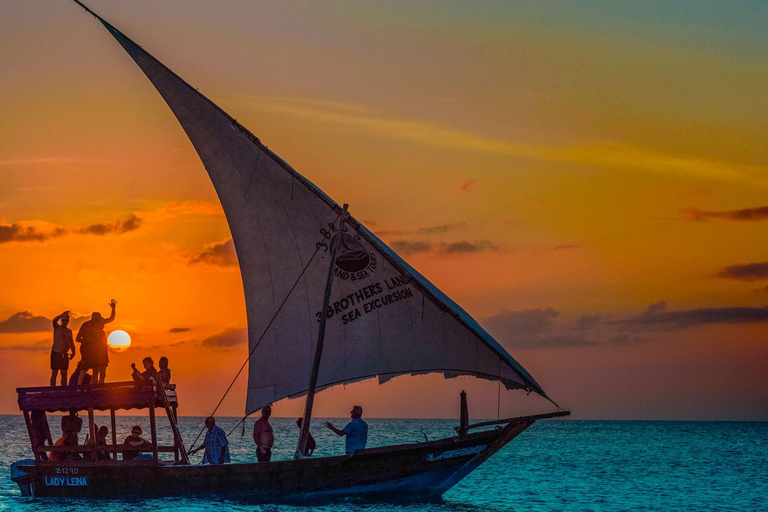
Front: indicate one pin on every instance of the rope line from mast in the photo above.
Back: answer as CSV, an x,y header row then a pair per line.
x,y
264,333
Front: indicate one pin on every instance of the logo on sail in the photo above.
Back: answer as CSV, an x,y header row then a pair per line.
x,y
353,261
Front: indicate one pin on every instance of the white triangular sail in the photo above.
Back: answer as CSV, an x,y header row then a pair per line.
x,y
385,319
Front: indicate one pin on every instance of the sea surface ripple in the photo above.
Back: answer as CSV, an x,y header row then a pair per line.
x,y
553,466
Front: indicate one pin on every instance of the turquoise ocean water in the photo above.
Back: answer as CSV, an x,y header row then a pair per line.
x,y
553,466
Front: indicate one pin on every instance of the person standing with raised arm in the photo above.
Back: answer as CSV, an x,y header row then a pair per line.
x,y
94,351
356,431
62,343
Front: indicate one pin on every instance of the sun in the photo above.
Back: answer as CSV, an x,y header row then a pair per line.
x,y
119,341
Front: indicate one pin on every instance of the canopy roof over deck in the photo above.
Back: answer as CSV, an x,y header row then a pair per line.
x,y
99,397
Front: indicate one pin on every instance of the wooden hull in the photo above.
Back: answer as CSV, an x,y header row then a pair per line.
x,y
417,472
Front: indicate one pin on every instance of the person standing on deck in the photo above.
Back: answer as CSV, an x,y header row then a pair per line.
x,y
93,352
62,343
311,443
356,431
215,444
263,435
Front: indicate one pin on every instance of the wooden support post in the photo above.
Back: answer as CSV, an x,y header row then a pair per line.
x,y
114,432
31,435
92,432
153,429
463,415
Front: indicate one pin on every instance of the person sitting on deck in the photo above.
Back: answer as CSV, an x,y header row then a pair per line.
x,y
76,375
149,373
263,435
356,431
62,343
215,444
101,440
164,373
311,443
68,438
93,352
134,440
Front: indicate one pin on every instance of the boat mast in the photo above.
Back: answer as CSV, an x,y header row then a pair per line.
x,y
304,435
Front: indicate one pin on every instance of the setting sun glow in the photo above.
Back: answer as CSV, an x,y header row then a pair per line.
x,y
119,341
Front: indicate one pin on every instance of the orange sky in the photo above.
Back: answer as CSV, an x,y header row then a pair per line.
x,y
591,185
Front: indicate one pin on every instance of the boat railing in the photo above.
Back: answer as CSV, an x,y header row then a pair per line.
x,y
512,421
35,402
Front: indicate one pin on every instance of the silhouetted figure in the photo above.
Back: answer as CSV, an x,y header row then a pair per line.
x,y
215,444
101,440
40,429
67,439
164,373
135,440
356,431
93,352
311,444
263,435
149,373
62,343
75,378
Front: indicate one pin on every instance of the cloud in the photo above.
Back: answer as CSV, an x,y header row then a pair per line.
x,y
748,272
119,227
467,247
38,346
535,328
464,187
565,247
657,317
36,231
17,232
407,247
587,322
442,229
528,322
221,254
745,214
24,321
229,337
174,330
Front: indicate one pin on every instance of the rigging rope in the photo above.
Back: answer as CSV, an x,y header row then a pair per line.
x,y
317,249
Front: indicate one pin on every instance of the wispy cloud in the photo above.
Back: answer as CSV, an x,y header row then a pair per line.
x,y
46,160
37,346
467,247
445,228
605,155
408,247
229,337
220,254
748,272
35,231
657,317
743,215
41,231
175,330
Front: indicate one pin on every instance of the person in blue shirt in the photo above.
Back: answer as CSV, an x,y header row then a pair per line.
x,y
356,431
215,444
